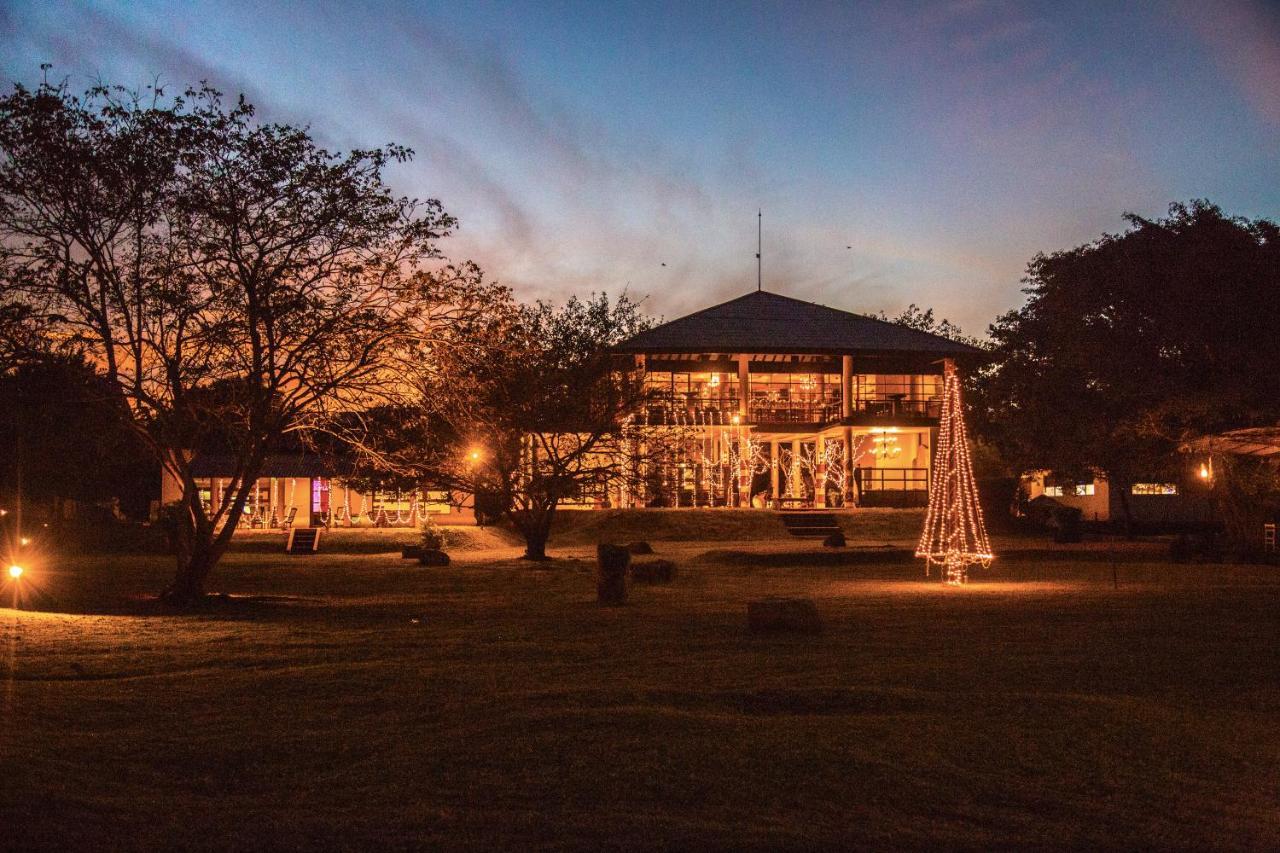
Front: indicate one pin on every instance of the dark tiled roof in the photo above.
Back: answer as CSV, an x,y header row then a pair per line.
x,y
275,465
763,322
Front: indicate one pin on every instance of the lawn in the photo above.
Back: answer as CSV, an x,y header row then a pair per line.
x,y
1084,698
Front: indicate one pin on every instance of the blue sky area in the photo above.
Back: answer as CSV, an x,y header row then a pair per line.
x,y
901,152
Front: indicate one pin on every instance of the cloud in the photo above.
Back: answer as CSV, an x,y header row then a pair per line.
x,y
1244,39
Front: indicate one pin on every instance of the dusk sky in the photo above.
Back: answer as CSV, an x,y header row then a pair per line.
x,y
900,152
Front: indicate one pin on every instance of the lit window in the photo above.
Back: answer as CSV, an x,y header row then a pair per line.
x,y
1084,490
1154,489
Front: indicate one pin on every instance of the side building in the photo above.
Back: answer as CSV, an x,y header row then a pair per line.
x,y
791,404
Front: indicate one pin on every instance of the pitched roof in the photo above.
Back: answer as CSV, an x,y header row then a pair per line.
x,y
763,322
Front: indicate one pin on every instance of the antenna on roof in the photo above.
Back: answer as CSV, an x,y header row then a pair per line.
x,y
759,232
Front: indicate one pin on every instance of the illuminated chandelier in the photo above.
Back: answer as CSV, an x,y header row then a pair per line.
x,y
954,536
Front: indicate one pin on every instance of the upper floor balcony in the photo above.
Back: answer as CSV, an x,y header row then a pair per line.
x,y
710,398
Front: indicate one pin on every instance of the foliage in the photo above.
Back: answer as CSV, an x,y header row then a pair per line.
x,y
922,320
1134,342
534,409
434,536
220,273
57,416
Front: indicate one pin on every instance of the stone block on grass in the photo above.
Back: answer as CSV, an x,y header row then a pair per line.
x,y
432,557
411,552
653,571
640,547
612,562
783,616
835,540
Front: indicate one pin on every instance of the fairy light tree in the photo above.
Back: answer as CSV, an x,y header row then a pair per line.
x,y
954,536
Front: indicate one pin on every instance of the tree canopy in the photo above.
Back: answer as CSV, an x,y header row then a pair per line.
x,y
1132,343
219,272
534,409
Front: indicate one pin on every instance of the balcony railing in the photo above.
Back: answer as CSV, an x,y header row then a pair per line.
x,y
720,412
781,412
898,407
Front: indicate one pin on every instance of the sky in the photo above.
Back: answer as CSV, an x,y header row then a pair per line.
x,y
900,152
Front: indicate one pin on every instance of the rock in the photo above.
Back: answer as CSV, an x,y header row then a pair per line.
x,y
411,552
835,540
432,557
783,615
640,547
611,574
653,571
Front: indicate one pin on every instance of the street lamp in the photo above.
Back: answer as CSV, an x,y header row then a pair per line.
x,y
15,571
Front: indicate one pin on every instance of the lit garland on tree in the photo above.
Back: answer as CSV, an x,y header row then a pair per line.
x,y
954,536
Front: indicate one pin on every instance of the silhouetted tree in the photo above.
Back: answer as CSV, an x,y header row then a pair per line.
x,y
62,415
1132,343
185,246
922,320
537,410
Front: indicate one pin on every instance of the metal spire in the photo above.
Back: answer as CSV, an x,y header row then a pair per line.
x,y
759,232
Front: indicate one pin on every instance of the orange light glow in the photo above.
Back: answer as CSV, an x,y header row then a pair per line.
x,y
15,571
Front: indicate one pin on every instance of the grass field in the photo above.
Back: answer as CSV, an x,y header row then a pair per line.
x,y
355,700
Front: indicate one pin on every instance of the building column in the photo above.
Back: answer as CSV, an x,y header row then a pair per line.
x,y
846,387
849,465
744,385
819,473
797,487
773,470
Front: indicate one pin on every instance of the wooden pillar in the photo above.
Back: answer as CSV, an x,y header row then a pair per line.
x,y
744,385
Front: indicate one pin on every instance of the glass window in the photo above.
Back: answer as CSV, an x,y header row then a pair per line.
x,y
1154,489
1079,490
809,397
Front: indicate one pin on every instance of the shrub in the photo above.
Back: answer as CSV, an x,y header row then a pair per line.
x,y
433,535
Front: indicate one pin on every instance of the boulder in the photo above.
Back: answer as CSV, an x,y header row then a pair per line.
x,y
640,547
783,616
653,571
411,552
835,540
432,557
612,562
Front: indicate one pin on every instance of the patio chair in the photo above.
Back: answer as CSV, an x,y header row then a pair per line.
x,y
289,518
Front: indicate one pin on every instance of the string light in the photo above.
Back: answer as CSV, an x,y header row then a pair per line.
x,y
955,535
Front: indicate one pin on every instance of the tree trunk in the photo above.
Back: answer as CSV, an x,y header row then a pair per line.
x,y
187,588
534,525
199,547
1126,512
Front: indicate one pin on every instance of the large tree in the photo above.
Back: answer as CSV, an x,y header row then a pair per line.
x,y
1132,343
534,409
221,273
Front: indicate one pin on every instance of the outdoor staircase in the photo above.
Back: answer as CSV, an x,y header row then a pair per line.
x,y
809,523
303,540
